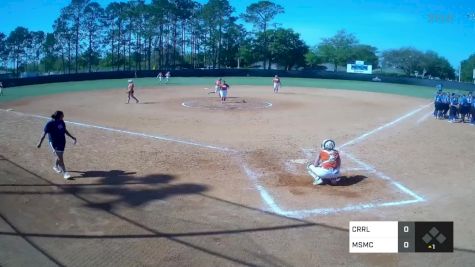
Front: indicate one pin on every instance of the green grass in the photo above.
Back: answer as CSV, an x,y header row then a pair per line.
x,y
16,93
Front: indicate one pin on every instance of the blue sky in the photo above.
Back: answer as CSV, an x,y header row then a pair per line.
x,y
439,25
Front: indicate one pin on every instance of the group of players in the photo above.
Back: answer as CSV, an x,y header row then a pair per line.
x,y
454,107
325,168
221,87
167,76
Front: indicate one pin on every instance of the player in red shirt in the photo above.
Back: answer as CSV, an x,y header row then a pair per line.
x,y
223,93
326,165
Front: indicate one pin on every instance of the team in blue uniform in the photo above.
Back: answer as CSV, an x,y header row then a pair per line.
x,y
461,108
438,105
464,108
56,131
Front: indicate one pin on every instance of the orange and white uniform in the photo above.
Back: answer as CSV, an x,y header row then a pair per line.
x,y
329,160
326,167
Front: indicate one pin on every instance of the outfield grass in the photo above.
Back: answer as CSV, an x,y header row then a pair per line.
x,y
16,93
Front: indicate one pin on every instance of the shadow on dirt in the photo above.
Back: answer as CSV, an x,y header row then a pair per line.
x,y
130,189
350,180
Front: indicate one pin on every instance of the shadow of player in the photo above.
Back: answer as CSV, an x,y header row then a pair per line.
x,y
350,180
125,188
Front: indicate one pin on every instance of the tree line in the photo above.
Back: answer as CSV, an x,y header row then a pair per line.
x,y
173,34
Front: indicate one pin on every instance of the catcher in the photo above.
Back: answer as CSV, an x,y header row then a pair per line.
x,y
326,165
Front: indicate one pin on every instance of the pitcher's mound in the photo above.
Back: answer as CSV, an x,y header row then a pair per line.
x,y
231,103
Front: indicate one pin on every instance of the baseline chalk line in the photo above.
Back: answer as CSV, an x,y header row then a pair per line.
x,y
158,137
423,118
382,127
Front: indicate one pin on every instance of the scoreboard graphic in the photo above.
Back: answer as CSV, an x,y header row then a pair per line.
x,y
400,237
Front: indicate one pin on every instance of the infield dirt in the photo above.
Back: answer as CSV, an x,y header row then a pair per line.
x,y
143,201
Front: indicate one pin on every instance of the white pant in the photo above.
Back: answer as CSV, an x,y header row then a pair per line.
x,y
223,93
276,86
320,174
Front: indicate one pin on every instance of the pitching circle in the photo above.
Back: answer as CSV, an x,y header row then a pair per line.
x,y
232,103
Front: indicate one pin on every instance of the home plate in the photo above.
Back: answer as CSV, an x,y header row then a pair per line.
x,y
299,161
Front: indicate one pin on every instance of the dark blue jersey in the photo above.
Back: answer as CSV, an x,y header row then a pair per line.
x,y
56,130
454,101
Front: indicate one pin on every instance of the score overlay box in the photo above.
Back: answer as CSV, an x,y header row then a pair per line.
x,y
398,237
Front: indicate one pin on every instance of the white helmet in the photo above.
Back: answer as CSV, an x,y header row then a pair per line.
x,y
131,81
328,144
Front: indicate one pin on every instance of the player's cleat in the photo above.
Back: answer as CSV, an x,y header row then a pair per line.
x,y
317,181
67,176
57,170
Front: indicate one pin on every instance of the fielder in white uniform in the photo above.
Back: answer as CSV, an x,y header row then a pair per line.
x,y
276,82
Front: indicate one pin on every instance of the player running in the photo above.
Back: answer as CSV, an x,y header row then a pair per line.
x,y
277,84
326,165
56,130
1,89
223,93
130,92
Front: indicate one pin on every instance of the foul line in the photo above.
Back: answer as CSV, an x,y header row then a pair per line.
x,y
158,137
365,135
274,207
385,177
270,201
423,118
265,195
